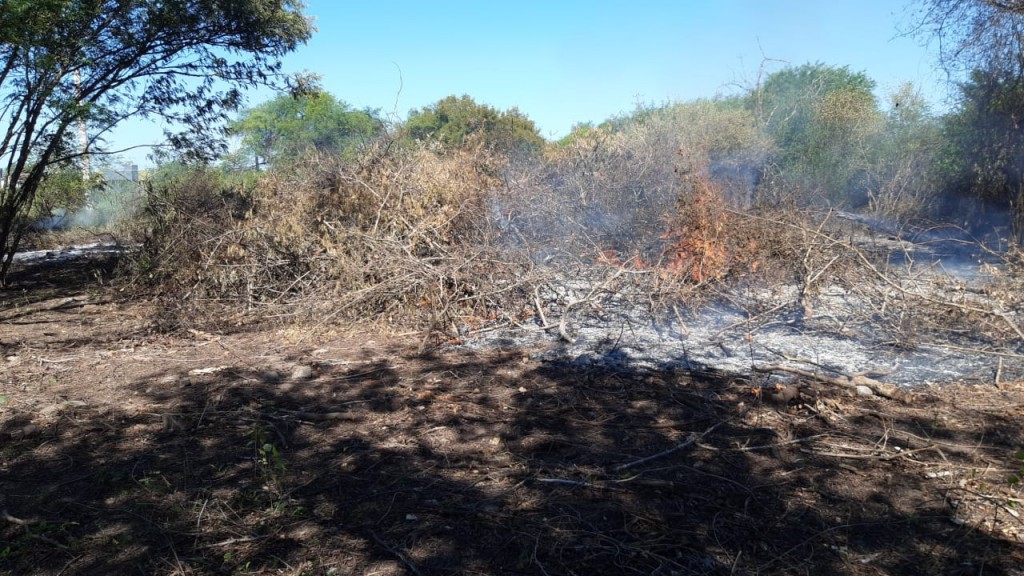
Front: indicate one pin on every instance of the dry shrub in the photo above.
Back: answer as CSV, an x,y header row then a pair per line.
x,y
389,230
706,239
610,188
399,236
187,220
699,241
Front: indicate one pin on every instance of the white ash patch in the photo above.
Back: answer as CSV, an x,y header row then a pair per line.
x,y
837,334
69,253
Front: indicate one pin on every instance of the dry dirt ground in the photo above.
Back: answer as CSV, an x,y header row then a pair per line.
x,y
124,450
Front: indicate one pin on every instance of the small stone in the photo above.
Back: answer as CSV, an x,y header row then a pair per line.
x,y
302,373
270,376
522,389
864,391
411,517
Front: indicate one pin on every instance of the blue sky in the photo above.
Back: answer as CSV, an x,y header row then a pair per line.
x,y
564,62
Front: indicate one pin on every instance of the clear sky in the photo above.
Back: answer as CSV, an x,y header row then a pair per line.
x,y
564,62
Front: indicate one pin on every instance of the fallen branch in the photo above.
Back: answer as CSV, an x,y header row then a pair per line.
x,y
846,380
576,483
319,416
880,457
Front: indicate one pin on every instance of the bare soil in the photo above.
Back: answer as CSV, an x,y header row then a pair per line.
x,y
124,450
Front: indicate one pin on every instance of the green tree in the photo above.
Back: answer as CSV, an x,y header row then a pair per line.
x,y
901,178
101,61
456,121
290,126
982,42
821,120
984,156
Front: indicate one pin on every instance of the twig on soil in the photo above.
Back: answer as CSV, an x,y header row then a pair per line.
x,y
231,541
500,326
397,553
540,308
563,331
682,325
746,320
13,520
6,516
882,457
576,483
980,351
57,360
998,501
68,565
689,441
319,416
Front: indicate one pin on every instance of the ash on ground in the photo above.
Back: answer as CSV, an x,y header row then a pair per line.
x,y
840,330
94,250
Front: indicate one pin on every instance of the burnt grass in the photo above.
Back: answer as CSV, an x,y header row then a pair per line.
x,y
128,451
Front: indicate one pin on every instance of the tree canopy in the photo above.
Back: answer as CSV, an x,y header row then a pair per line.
x,y
101,61
289,126
456,121
820,118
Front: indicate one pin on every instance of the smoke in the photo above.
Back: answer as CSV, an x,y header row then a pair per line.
x,y
618,188
118,197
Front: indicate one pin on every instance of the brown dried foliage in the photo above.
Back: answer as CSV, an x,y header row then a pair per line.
x,y
460,240
397,236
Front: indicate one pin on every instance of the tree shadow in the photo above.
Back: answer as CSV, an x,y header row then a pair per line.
x,y
465,462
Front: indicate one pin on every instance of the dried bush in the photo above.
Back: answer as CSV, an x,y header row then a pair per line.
x,y
399,235
463,239
188,217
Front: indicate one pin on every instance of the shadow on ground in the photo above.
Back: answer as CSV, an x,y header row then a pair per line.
x,y
495,463
462,464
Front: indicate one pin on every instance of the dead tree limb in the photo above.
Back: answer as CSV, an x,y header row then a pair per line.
x,y
846,380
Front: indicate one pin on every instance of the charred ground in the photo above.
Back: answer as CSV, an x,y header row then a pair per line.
x,y
126,450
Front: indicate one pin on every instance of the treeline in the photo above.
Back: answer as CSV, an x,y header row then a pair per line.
x,y
815,135
454,214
